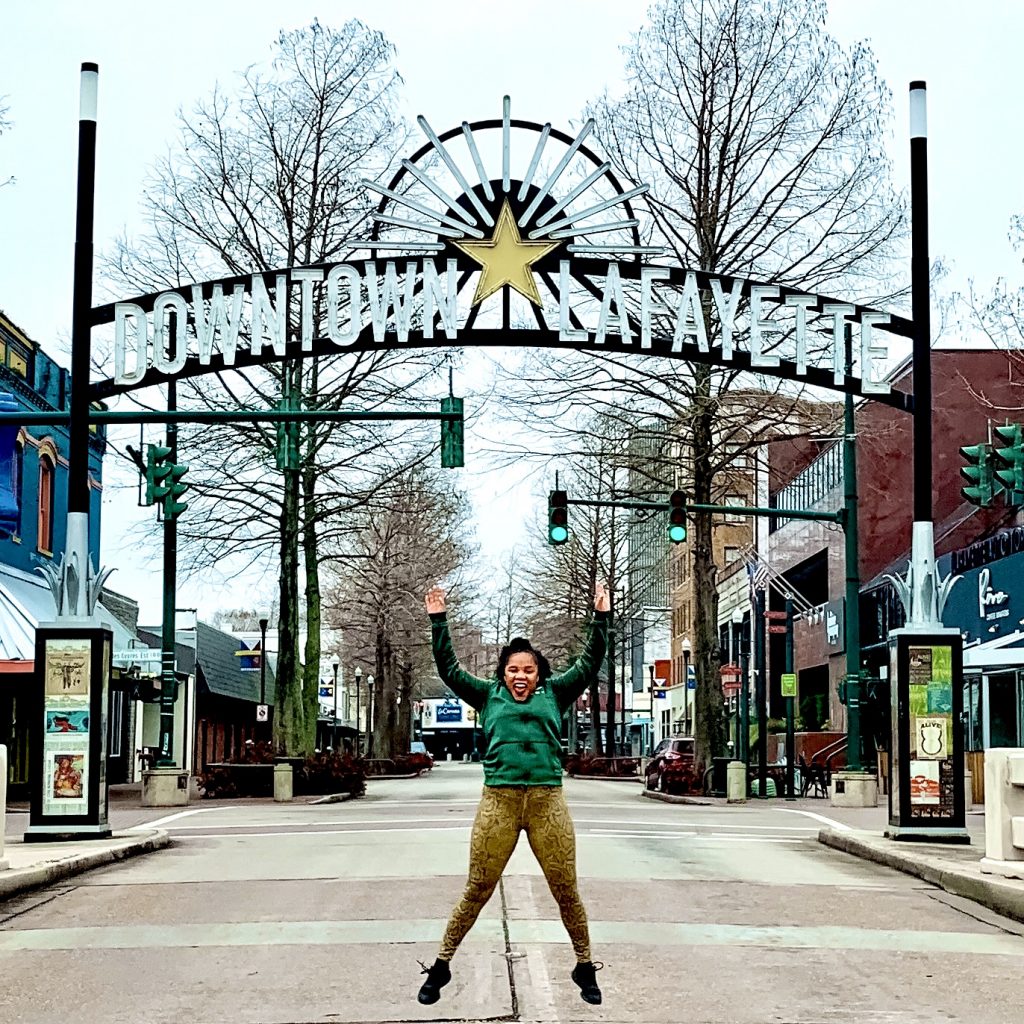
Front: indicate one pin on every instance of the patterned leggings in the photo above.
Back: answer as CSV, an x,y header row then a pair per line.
x,y
503,813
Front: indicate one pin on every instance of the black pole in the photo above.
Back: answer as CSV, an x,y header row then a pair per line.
x,y
78,428
920,296
760,696
359,677
854,761
745,695
334,727
790,728
168,682
263,660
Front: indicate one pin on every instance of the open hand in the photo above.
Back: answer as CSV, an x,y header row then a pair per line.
x,y
434,600
602,602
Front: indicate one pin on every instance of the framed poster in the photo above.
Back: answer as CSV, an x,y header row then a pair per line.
x,y
69,797
927,749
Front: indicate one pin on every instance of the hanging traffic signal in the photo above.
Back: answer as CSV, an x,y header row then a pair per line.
x,y
982,484
452,440
677,517
558,517
175,489
1009,462
157,471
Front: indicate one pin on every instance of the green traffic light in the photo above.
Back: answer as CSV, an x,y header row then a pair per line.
x,y
677,534
558,534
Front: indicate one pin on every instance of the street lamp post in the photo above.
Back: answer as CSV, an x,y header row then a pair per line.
x,y
359,675
335,662
369,716
263,660
686,684
737,625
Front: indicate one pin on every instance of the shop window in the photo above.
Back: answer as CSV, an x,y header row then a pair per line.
x,y
47,479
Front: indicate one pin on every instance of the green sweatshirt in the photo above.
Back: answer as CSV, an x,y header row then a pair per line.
x,y
522,741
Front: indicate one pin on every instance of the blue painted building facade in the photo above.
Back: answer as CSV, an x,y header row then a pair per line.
x,y
33,511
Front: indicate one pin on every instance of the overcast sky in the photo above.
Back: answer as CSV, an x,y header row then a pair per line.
x,y
457,59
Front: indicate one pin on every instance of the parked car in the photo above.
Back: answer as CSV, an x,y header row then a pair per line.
x,y
675,749
419,747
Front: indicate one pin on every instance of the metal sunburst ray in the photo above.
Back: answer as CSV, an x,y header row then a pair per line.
x,y
558,227
557,172
426,211
454,168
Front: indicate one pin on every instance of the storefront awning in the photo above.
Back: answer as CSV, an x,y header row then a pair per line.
x,y
25,601
999,652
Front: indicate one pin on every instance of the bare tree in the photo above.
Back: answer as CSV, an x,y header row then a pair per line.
x,y
764,144
5,125
266,177
412,533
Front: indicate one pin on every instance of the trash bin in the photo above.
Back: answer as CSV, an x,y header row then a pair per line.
x,y
719,775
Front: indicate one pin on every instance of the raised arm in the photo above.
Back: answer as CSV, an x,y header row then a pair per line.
x,y
568,685
471,689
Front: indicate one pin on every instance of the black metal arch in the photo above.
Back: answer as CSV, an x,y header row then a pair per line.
x,y
514,122
541,335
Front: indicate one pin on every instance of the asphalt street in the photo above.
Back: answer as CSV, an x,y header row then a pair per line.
x,y
289,913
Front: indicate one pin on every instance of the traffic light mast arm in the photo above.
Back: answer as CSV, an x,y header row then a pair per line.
x,y
737,510
225,416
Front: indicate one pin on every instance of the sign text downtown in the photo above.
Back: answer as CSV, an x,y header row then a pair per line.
x,y
394,301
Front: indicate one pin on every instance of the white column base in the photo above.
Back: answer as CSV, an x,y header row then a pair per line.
x,y
165,787
854,789
282,783
1005,868
736,782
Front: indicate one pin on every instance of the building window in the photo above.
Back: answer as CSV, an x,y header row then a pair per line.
x,y
737,500
732,554
16,357
46,494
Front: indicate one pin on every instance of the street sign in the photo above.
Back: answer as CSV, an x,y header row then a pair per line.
x,y
326,690
138,656
788,684
262,712
776,616
658,693
773,628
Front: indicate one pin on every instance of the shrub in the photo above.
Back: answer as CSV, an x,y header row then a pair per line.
x,y
682,778
607,767
330,772
252,775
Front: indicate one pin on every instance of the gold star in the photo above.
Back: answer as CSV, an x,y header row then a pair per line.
x,y
506,259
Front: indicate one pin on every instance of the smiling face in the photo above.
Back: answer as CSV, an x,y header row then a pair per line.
x,y
521,675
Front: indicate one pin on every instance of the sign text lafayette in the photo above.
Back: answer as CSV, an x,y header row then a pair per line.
x,y
256,313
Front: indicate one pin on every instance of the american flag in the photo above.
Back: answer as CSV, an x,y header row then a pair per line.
x,y
759,573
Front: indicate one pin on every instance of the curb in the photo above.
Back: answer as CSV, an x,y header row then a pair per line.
x,y
334,798
670,798
635,779
17,880
991,891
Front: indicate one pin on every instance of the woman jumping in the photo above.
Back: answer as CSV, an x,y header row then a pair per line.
x,y
520,712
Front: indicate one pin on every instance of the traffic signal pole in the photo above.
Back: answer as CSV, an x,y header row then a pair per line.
x,y
853,740
168,682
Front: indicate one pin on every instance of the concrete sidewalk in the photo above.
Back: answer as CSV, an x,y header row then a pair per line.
x,y
36,864
954,868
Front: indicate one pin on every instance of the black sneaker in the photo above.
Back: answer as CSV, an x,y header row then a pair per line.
x,y
584,976
437,977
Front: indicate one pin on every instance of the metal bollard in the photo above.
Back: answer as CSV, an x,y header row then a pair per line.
x,y
1004,812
